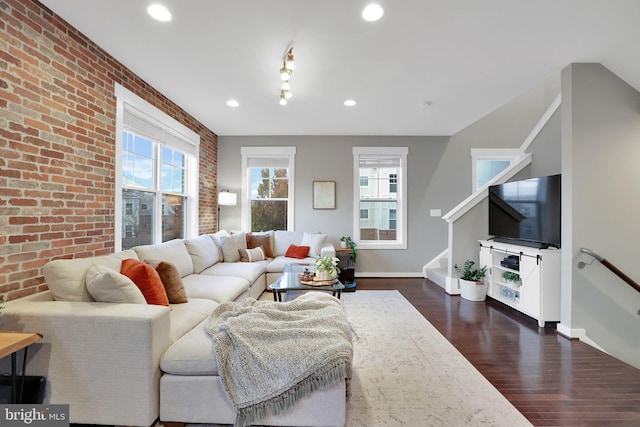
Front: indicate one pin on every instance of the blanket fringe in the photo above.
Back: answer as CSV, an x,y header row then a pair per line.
x,y
335,372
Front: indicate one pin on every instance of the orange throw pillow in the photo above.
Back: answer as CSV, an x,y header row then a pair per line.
x,y
299,252
147,279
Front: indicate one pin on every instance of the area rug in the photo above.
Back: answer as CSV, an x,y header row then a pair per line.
x,y
405,373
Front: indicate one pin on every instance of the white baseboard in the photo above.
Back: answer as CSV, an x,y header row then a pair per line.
x,y
387,274
578,333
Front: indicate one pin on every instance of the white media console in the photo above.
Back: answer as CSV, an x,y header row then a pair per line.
x,y
525,278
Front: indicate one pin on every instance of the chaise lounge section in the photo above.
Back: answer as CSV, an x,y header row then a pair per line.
x,y
123,363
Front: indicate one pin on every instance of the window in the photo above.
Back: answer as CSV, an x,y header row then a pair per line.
x,y
364,181
383,198
156,175
393,183
487,163
267,202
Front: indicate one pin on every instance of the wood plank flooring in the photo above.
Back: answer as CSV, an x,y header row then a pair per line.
x,y
552,380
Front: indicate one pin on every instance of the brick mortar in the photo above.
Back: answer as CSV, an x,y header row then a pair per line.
x,y
57,145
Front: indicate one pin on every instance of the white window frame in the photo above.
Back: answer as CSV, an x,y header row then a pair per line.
x,y
510,154
401,219
179,137
288,153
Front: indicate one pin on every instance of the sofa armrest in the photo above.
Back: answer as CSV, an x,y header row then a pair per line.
x,y
328,250
96,357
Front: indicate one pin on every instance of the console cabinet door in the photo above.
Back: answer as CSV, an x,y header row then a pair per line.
x,y
486,259
530,291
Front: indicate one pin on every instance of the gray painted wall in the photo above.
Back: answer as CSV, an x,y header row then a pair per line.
x,y
602,139
439,175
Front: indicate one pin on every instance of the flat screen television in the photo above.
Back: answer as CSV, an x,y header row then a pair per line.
x,y
526,212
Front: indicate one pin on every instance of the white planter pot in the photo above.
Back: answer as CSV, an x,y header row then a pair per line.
x,y
343,245
472,291
325,275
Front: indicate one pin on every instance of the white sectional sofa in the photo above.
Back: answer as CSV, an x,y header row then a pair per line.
x,y
130,364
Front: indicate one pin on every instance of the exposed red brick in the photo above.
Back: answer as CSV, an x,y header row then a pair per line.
x,y
63,148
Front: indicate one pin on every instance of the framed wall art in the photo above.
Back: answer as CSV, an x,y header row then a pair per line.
x,y
324,194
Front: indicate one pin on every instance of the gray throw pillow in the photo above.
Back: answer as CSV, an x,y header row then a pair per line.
x,y
231,246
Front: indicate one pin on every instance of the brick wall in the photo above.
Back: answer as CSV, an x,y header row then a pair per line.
x,y
57,145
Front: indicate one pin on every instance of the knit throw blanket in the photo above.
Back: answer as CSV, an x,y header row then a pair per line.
x,y
271,354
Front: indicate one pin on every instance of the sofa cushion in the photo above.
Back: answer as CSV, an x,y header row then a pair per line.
x,y
252,255
231,245
277,264
171,281
265,240
192,354
107,285
249,271
216,239
66,277
219,288
173,251
203,251
184,317
298,252
283,239
315,242
147,279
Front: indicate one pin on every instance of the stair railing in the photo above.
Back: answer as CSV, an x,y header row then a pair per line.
x,y
615,270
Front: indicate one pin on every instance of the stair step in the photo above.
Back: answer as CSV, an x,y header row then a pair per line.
x,y
437,276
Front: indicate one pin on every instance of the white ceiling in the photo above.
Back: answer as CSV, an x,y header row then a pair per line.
x,y
465,57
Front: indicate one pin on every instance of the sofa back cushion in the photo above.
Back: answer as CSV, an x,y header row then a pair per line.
x,y
283,239
66,277
173,251
203,251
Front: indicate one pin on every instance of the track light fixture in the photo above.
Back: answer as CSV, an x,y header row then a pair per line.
x,y
288,65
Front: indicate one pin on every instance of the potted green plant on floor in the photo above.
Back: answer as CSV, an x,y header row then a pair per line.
x,y
472,285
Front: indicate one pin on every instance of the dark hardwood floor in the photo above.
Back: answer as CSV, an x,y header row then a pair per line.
x,y
552,380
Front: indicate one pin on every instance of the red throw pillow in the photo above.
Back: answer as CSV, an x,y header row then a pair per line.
x,y
299,252
147,279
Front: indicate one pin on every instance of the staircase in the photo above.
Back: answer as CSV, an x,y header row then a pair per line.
x,y
440,269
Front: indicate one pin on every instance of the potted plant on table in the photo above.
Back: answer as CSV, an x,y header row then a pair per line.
x,y
326,268
347,243
472,285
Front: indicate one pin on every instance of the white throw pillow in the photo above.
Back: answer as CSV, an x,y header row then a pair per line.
x,y
231,246
315,242
107,285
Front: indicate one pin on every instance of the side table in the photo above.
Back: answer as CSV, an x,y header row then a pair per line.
x,y
347,270
10,344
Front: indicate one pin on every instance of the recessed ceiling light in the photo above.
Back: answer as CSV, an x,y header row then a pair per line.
x,y
349,102
233,103
372,12
159,12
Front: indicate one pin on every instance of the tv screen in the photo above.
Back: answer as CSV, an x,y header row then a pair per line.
x,y
526,212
